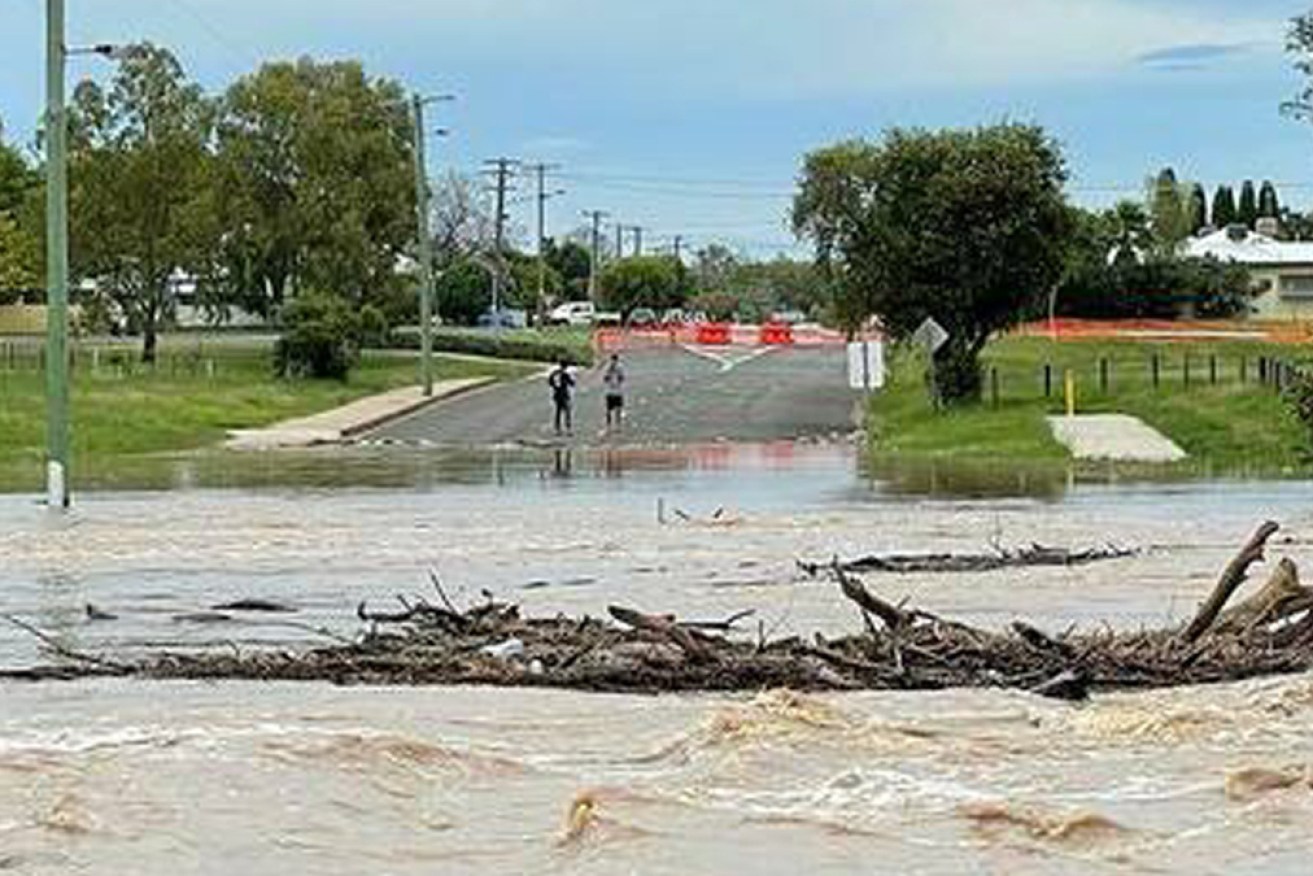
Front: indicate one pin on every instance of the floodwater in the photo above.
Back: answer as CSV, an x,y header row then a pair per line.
x,y
128,777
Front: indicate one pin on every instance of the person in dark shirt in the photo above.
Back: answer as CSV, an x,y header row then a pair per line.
x,y
561,382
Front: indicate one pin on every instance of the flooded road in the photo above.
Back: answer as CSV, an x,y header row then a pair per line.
x,y
113,777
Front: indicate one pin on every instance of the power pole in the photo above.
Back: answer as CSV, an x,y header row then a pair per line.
x,y
57,427
501,169
619,241
540,171
424,250
596,216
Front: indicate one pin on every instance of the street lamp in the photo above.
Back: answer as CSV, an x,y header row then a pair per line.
x,y
57,408
425,248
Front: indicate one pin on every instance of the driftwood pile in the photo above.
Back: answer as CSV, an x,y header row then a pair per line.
x,y
1000,558
436,643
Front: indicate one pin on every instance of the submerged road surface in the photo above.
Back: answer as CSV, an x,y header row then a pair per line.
x,y
674,395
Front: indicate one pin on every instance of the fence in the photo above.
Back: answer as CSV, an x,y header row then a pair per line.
x,y
1158,371
18,355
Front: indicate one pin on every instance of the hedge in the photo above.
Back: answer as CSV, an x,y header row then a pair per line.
x,y
525,345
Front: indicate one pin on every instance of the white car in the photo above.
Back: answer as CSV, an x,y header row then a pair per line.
x,y
573,313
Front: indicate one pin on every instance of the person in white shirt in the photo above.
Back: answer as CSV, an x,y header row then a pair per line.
x,y
614,381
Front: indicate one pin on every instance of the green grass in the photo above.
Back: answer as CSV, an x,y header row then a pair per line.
x,y
125,410
1229,426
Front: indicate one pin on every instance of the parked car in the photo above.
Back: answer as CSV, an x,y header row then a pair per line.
x,y
642,317
792,317
572,313
505,318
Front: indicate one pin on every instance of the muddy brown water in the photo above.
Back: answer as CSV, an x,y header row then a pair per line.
x,y
124,777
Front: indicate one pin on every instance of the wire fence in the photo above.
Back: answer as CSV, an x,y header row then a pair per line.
x,y
1109,375
22,355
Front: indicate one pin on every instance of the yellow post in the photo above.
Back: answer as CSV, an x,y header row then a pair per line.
x,y
1071,393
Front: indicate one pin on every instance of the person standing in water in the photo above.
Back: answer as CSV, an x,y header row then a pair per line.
x,y
614,381
561,382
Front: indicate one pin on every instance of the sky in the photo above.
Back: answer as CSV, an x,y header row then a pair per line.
x,y
690,117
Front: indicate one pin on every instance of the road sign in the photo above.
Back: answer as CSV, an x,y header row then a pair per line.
x,y
866,365
930,335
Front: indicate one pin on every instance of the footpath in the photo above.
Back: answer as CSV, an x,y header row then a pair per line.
x,y
1118,437
361,415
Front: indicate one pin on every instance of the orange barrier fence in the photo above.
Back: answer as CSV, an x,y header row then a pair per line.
x,y
715,334
1168,330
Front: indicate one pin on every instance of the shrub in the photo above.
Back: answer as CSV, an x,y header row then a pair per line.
x,y
321,336
373,330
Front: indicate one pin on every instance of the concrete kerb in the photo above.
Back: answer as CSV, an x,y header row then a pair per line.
x,y
345,422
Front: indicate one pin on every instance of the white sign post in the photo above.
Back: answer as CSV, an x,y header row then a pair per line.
x,y
866,365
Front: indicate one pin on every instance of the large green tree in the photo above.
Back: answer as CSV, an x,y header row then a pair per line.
x,y
315,183
643,281
140,217
571,262
966,226
20,262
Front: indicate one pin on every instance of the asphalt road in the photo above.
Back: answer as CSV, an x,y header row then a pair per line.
x,y
674,396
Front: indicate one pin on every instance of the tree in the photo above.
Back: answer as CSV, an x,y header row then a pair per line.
x,y
315,183
20,259
570,261
1169,212
461,218
966,226
1198,209
464,290
1247,211
17,179
1130,238
643,281
139,216
1269,206
1224,208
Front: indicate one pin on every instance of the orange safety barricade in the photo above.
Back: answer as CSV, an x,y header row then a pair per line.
x,y
776,333
713,333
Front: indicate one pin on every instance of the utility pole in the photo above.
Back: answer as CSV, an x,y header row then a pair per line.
x,y
424,247
501,169
57,427
540,171
424,251
596,216
619,241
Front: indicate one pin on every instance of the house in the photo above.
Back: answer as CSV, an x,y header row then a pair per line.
x,y
1281,271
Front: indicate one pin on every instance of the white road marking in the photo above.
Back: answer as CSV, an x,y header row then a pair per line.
x,y
726,363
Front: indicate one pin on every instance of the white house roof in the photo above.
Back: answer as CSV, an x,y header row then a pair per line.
x,y
1249,248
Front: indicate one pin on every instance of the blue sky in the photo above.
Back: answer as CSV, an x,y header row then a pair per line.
x,y
689,116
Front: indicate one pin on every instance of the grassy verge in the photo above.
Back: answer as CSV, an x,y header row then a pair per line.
x,y
123,410
1224,423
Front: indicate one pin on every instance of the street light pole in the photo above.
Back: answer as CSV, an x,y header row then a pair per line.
x,y
424,251
57,413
